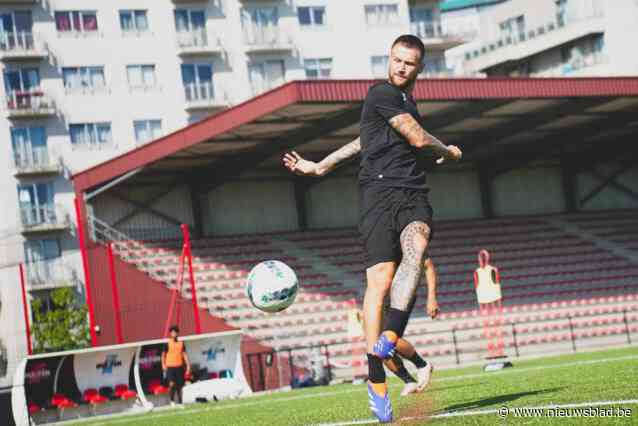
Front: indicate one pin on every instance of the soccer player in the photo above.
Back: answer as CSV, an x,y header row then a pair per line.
x,y
395,214
174,358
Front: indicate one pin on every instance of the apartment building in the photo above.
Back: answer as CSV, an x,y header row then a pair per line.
x,y
544,38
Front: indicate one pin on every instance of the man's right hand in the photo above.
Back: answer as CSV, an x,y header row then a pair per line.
x,y
299,166
453,154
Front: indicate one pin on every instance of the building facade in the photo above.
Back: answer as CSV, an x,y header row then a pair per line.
x,y
554,38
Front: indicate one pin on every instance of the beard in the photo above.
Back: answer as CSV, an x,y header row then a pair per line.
x,y
401,83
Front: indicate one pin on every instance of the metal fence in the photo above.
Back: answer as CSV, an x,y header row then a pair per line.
x,y
314,365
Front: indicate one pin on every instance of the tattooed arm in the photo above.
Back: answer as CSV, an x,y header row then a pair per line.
x,y
419,138
297,164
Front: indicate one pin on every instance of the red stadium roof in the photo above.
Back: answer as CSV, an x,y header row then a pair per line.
x,y
488,116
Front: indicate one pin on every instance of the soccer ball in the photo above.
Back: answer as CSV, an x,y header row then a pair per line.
x,y
271,286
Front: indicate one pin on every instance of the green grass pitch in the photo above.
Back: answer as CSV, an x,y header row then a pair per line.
x,y
468,393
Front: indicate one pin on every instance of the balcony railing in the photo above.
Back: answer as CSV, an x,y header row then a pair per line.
x,y
197,41
434,35
23,44
48,217
29,103
202,96
33,160
51,273
538,33
259,38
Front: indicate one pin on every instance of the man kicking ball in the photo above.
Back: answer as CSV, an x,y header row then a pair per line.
x,y
395,213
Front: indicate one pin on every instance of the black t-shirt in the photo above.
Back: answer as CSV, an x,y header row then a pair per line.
x,y
387,159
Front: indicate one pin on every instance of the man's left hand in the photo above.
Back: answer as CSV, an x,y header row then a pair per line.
x,y
432,307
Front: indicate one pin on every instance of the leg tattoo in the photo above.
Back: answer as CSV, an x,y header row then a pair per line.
x,y
413,244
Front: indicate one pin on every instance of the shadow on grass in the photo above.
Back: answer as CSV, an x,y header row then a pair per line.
x,y
497,400
437,389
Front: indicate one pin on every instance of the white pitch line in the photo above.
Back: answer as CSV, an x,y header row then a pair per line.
x,y
127,418
489,411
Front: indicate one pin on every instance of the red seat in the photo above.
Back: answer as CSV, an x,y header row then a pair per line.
x,y
33,408
93,397
123,392
61,401
156,388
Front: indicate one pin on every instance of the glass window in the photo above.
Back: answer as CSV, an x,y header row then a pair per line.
x,y
379,66
189,19
147,130
22,80
133,20
141,75
90,135
318,68
76,21
83,77
313,15
382,14
266,75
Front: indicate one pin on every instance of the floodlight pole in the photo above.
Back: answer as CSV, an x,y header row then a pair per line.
x,y
116,295
87,273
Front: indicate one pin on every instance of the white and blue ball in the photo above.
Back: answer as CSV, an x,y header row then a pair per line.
x,y
272,286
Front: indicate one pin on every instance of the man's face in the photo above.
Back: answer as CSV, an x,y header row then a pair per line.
x,y
173,334
405,65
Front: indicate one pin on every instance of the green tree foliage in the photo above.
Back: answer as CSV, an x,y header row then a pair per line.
x,y
63,327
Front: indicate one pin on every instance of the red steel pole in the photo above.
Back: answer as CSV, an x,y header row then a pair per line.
x,y
87,274
116,294
187,243
25,307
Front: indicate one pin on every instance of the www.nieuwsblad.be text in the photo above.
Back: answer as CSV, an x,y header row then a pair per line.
x,y
561,412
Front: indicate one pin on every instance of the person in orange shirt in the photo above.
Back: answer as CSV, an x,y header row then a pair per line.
x,y
174,359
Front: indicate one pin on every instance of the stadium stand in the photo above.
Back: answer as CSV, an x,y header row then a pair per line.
x,y
558,286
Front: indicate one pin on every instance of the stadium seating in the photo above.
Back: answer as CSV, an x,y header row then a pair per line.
x,y
557,284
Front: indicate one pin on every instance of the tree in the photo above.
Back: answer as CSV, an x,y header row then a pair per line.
x,y
63,327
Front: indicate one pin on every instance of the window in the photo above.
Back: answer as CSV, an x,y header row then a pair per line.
x,y
189,20
266,75
311,16
37,250
382,14
318,68
260,25
22,80
141,76
423,24
16,30
513,29
379,66
147,130
90,135
133,21
36,203
198,81
29,147
83,78
76,21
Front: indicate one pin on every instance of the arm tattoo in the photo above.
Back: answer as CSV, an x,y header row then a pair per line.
x,y
416,135
339,156
409,271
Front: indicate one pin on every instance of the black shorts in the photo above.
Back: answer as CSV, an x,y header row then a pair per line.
x,y
175,375
384,213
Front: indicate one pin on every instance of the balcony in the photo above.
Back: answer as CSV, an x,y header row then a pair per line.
x,y
434,37
51,273
259,39
45,218
14,2
29,104
515,47
198,42
34,162
21,46
202,97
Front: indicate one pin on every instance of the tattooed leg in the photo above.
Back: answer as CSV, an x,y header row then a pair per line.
x,y
414,241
